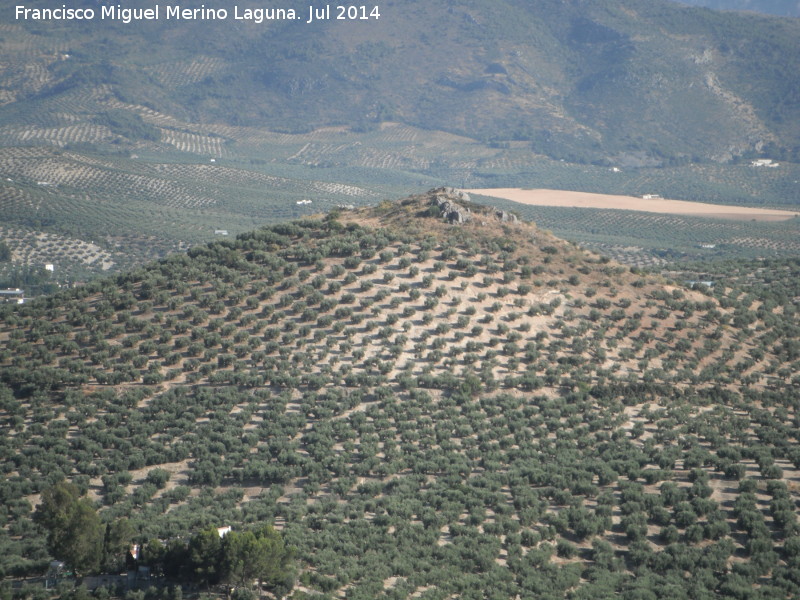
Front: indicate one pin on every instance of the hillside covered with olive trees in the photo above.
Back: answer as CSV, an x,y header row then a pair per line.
x,y
425,399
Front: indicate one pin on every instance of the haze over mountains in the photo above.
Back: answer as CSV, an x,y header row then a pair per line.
x,y
786,8
624,80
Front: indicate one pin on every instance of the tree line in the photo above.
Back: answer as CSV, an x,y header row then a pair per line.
x,y
77,535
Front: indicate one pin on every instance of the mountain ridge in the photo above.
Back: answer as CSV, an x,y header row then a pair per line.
x,y
786,8
576,81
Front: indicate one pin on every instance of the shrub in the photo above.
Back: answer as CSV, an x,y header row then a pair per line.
x,y
158,477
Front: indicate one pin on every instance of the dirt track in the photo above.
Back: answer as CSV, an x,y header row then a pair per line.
x,y
655,205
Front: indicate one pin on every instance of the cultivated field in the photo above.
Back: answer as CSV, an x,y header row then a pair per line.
x,y
422,410
564,198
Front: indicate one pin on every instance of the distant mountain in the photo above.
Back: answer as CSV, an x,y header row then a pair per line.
x,y
625,81
784,8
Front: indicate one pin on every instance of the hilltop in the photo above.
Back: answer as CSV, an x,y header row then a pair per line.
x,y
428,399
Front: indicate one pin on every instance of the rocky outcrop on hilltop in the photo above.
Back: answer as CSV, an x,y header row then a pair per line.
x,y
451,205
447,201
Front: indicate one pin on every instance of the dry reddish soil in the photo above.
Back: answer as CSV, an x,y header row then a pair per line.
x,y
541,197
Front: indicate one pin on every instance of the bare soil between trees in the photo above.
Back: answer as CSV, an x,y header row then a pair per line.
x,y
564,198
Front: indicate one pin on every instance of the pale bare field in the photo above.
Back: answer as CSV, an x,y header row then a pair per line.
x,y
542,197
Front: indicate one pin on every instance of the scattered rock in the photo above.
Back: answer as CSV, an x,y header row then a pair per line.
x,y
458,194
449,200
452,212
445,199
506,217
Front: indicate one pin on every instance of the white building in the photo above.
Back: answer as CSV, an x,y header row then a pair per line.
x,y
764,162
15,296
223,531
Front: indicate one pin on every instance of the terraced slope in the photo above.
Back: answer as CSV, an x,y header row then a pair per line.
x,y
422,409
